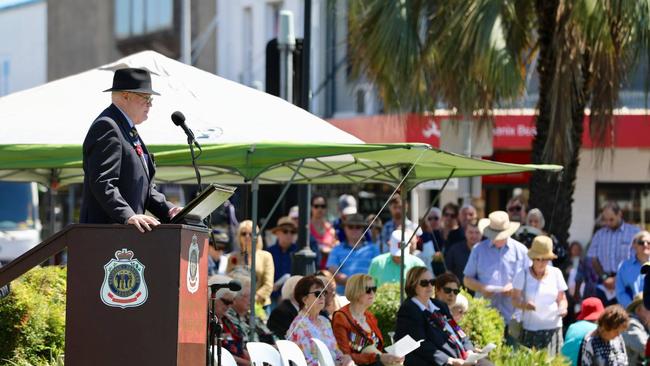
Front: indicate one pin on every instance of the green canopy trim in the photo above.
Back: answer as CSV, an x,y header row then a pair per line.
x,y
268,162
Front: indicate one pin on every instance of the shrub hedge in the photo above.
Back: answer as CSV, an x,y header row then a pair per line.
x,y
32,318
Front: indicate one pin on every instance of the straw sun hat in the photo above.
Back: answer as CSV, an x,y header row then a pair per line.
x,y
542,248
497,226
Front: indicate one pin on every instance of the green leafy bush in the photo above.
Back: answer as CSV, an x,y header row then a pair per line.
x,y
385,308
482,323
32,318
522,356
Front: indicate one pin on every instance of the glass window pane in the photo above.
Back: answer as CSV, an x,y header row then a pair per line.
x,y
137,19
122,18
159,15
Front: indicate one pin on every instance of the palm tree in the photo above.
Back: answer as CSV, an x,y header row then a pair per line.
x,y
474,55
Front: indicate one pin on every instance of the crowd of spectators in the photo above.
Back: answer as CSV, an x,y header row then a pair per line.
x,y
583,303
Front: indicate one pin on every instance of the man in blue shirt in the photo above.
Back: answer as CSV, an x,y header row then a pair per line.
x,y
493,262
282,251
611,245
629,280
348,263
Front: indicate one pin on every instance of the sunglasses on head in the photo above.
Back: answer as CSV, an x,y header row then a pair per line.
x,y
319,206
449,290
643,242
226,301
425,283
370,289
514,208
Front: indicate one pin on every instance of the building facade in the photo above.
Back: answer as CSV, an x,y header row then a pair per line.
x,y
23,44
84,34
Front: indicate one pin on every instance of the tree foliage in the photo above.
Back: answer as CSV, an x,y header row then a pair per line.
x,y
32,318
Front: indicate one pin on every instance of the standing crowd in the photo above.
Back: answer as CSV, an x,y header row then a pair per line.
x,y
588,308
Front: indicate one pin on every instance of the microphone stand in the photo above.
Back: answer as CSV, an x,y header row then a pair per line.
x,y
215,331
190,141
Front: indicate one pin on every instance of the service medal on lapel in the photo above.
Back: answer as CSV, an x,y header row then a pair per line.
x,y
138,149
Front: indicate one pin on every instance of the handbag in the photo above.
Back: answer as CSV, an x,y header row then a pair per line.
x,y
516,326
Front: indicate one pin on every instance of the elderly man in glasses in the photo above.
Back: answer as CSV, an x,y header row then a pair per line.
x,y
118,168
345,265
282,251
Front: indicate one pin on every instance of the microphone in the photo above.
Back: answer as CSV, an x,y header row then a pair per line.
x,y
179,120
232,286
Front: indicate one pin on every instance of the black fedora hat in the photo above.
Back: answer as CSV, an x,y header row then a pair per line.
x,y
132,80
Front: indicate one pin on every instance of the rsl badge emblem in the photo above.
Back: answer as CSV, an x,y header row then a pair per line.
x,y
124,285
193,266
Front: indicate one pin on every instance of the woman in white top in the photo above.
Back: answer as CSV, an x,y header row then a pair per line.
x,y
539,293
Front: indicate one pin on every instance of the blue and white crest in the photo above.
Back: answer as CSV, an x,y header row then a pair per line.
x,y
124,285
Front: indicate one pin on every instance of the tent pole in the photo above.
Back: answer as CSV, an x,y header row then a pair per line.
x,y
402,194
254,192
281,196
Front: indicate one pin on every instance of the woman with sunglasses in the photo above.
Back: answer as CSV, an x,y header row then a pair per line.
x,y
447,288
539,294
310,295
423,317
264,268
355,328
629,280
320,229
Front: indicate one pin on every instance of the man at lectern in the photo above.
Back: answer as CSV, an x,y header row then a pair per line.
x,y
118,168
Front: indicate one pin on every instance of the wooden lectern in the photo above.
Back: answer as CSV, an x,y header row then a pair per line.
x,y
132,298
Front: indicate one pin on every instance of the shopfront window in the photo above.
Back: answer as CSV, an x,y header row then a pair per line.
x,y
633,198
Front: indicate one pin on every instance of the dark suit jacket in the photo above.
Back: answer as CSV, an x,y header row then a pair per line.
x,y
435,350
116,184
281,318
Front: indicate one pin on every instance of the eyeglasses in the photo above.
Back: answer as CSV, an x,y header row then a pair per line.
x,y
226,301
370,289
318,293
449,290
246,234
287,231
514,208
643,242
147,98
433,218
449,214
319,206
425,283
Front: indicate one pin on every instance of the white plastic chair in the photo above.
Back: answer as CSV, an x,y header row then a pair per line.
x,y
290,351
324,355
226,358
261,352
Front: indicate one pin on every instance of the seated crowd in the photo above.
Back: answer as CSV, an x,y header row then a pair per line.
x,y
550,297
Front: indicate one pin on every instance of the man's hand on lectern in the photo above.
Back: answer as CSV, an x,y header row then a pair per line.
x,y
143,222
174,211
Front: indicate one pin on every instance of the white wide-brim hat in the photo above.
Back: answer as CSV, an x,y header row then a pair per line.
x,y
497,226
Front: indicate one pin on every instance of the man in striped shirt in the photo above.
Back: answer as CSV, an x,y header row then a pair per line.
x,y
611,245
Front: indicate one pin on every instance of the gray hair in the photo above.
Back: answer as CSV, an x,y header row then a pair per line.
x,y
537,213
219,279
461,302
287,288
435,210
